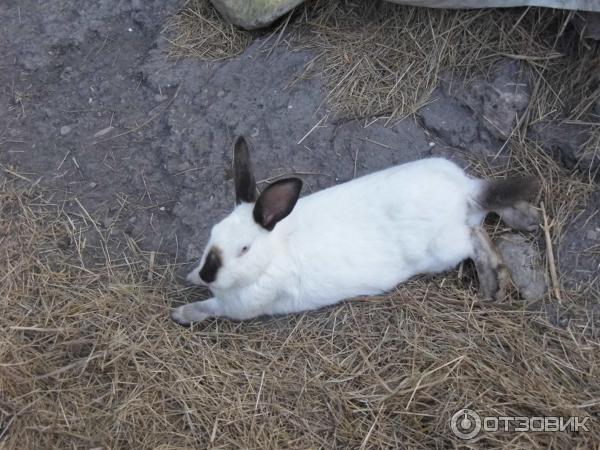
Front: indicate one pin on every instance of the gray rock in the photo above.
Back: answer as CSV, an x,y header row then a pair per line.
x,y
577,260
566,142
499,100
452,121
253,14
525,265
478,116
584,5
64,130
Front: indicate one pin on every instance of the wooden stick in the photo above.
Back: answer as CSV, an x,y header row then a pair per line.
x,y
551,262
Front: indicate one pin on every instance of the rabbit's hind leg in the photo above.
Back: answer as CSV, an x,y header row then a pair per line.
x,y
522,216
494,278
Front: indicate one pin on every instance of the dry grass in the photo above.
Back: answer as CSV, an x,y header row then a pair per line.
x,y
90,359
198,31
380,58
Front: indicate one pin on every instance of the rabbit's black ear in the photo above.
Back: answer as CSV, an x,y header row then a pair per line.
x,y
245,186
276,202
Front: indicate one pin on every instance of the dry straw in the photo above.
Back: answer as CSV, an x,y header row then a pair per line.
x,y
198,31
382,58
89,358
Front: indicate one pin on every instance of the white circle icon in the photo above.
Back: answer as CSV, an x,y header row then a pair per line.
x,y
465,424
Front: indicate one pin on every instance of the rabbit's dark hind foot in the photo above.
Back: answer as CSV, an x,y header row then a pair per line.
x,y
494,277
523,216
494,283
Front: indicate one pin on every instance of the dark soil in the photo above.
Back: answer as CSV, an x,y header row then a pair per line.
x,y
93,109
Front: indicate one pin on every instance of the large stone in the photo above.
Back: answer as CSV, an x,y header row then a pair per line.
x,y
577,254
478,116
568,143
253,14
454,123
583,5
525,265
498,101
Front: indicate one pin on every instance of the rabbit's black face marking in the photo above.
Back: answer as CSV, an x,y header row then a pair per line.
x,y
236,254
212,264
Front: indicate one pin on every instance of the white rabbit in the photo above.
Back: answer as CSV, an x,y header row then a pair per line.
x,y
279,254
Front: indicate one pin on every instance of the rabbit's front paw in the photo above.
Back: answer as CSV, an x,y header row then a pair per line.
x,y
186,314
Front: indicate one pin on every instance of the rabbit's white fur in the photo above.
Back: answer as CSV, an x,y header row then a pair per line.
x,y
361,237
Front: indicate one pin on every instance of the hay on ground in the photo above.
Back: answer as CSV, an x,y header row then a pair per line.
x,y
90,359
198,30
380,58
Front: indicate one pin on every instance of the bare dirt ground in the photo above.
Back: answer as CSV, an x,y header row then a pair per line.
x,y
131,150
94,109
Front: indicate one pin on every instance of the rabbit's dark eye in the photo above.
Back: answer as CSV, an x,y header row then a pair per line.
x,y
244,249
